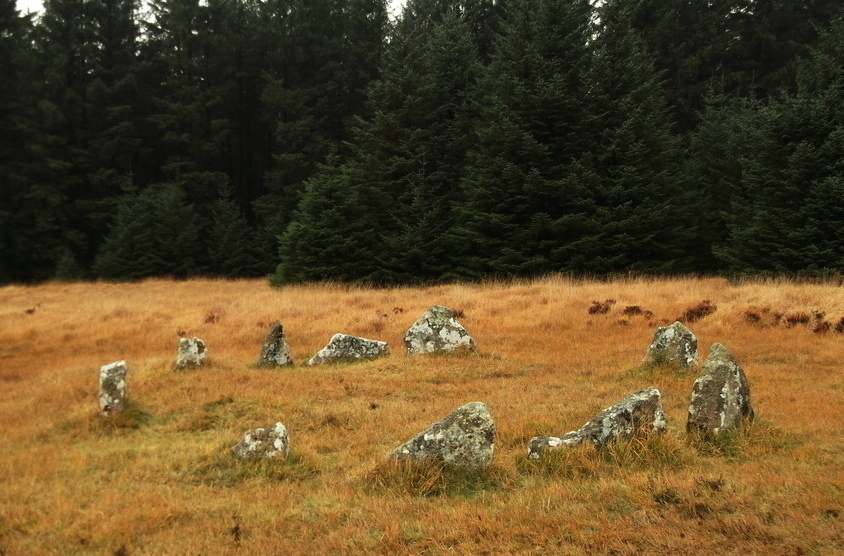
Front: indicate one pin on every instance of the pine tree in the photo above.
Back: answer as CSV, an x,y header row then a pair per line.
x,y
232,250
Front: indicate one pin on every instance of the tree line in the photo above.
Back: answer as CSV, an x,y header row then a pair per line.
x,y
318,139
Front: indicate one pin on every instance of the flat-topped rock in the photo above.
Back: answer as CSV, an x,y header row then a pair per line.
x,y
192,353
343,347
465,438
674,346
112,388
275,352
437,331
271,442
720,395
640,412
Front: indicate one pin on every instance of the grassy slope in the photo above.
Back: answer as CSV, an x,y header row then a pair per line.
x,y
160,481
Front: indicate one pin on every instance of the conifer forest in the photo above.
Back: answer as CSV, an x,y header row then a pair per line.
x,y
311,140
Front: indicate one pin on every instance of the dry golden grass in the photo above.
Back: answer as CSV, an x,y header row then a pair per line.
x,y
159,479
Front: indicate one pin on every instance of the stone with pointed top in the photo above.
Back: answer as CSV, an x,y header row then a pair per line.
x,y
640,412
192,353
275,352
720,396
437,331
343,347
674,346
270,442
112,388
465,438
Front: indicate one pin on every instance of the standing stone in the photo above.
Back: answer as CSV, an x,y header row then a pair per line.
x,y
720,395
437,331
673,345
465,438
639,412
192,353
343,347
112,388
265,443
275,351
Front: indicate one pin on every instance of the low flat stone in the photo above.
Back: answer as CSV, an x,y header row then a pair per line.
x,y
192,353
465,438
112,387
640,412
437,331
720,395
270,442
343,347
275,352
673,345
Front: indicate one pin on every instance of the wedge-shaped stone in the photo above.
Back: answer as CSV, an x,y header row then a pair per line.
x,y
112,387
465,438
639,412
720,396
275,352
673,345
264,443
192,353
343,347
437,331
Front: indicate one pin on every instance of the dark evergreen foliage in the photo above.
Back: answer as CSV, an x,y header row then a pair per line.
x,y
465,139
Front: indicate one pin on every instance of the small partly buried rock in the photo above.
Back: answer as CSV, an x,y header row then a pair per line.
x,y
112,388
720,395
264,443
437,331
275,352
465,438
192,353
640,411
673,345
343,347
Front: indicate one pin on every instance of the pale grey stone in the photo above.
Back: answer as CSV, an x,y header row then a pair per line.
x,y
112,388
465,438
270,442
275,352
192,353
673,345
437,331
343,347
720,396
639,412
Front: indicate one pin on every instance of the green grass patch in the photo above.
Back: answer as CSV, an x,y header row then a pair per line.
x,y
223,469
433,477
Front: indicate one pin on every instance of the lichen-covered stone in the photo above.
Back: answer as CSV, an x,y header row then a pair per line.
x,y
112,387
270,442
720,396
275,352
465,438
343,347
192,353
673,345
640,412
437,331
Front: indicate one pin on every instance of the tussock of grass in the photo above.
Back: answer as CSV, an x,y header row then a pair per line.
x,y
436,478
753,437
222,469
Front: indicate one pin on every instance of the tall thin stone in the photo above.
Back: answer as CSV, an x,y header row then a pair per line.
x,y
275,352
112,388
720,395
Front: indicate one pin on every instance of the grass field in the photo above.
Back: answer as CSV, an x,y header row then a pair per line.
x,y
159,479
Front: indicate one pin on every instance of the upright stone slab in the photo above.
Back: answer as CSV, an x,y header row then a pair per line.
x,y
192,353
437,331
270,442
275,352
343,347
465,437
673,345
112,388
639,412
720,395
